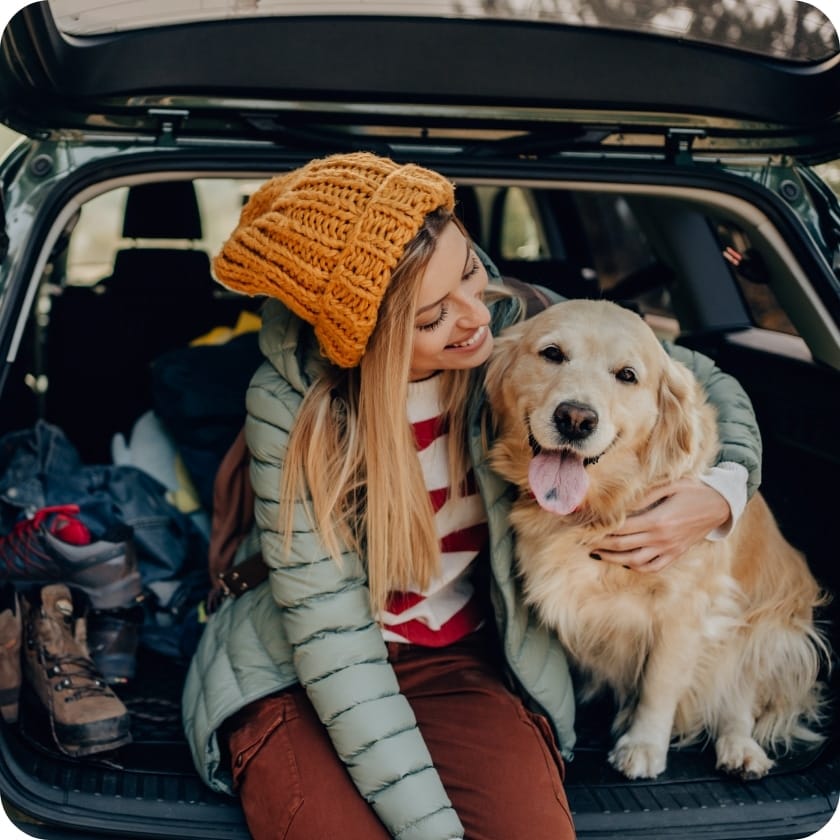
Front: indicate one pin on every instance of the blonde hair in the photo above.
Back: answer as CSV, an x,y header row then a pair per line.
x,y
352,448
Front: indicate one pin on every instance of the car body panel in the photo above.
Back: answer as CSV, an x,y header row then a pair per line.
x,y
255,78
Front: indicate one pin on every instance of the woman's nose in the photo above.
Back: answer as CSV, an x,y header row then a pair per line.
x,y
473,312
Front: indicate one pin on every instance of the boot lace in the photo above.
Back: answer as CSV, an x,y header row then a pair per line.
x,y
78,676
23,552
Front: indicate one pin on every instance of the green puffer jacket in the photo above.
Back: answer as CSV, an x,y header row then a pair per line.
x,y
311,622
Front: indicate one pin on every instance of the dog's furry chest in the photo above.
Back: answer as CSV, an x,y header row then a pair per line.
x,y
609,618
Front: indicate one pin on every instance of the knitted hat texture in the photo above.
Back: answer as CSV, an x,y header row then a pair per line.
x,y
325,238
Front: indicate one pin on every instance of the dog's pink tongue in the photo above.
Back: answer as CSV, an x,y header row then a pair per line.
x,y
558,481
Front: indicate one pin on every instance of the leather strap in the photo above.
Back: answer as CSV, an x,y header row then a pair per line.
x,y
244,576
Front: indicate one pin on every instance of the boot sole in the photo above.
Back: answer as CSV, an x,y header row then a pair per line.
x,y
10,703
89,738
74,739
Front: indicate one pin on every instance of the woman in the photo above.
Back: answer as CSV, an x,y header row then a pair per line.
x,y
388,680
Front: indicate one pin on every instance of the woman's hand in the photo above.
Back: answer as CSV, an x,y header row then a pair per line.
x,y
671,519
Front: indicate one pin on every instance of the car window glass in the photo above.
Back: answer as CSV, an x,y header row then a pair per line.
x,y
97,236
520,234
618,244
750,272
220,202
95,239
624,265
626,268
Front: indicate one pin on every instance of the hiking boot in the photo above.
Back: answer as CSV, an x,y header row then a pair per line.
x,y
112,639
84,713
55,545
10,666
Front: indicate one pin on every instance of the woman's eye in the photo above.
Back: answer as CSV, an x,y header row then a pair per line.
x,y
553,353
474,264
433,325
626,374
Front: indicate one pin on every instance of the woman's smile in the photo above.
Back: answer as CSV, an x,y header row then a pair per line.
x,y
475,339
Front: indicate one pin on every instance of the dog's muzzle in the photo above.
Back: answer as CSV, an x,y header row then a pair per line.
x,y
575,421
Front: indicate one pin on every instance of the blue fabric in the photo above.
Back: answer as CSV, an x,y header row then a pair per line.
x,y
150,448
39,467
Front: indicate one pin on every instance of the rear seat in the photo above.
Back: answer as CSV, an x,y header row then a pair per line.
x,y
101,340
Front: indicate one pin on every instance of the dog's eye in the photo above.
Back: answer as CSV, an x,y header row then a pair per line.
x,y
626,374
553,353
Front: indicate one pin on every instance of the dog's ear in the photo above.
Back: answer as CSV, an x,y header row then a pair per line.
x,y
500,363
674,437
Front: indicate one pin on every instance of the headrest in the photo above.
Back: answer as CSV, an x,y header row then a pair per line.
x,y
162,210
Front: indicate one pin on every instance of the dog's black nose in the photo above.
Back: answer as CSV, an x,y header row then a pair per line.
x,y
575,421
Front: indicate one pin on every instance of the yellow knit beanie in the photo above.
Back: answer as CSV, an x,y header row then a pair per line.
x,y
325,238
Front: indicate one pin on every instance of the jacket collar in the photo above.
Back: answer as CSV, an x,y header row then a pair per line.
x,y
289,344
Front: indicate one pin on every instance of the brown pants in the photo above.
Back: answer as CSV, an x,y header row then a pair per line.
x,y
498,762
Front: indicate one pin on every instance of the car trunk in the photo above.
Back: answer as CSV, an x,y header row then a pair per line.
x,y
576,126
150,787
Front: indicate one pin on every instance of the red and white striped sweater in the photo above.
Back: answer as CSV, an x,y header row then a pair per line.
x,y
449,608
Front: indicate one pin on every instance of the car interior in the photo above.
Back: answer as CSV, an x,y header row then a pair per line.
x,y
102,313
156,298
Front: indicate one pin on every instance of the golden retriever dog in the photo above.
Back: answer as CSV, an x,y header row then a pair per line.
x,y
590,413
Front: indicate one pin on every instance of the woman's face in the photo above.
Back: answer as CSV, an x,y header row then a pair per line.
x,y
451,329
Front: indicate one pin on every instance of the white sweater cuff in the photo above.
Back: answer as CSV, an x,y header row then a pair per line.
x,y
730,480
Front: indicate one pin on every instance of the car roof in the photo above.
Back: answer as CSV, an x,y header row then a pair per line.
x,y
261,77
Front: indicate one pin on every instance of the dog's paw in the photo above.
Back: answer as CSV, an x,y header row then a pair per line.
x,y
742,756
638,759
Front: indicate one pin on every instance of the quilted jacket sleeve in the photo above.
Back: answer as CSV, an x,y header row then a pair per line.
x,y
339,654
737,427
